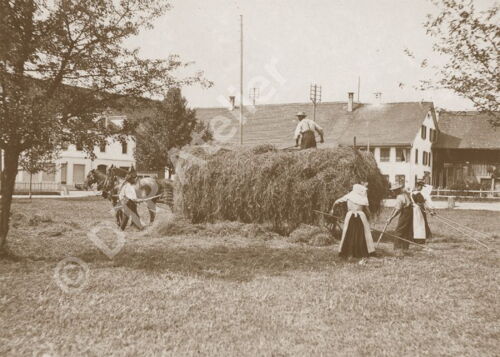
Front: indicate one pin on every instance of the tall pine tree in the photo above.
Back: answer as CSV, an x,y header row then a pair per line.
x,y
172,125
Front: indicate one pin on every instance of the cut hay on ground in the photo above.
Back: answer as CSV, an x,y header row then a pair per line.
x,y
311,235
264,185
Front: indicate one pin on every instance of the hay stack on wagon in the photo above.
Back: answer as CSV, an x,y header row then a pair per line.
x,y
264,185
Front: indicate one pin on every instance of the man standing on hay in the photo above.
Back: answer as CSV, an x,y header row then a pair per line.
x,y
305,132
357,238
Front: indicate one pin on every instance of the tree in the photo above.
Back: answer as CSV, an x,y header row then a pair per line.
x,y
469,40
61,64
37,159
172,125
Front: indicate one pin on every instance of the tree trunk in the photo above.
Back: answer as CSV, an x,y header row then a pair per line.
x,y
31,180
11,160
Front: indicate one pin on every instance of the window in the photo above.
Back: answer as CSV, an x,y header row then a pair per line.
x,y
434,135
401,179
49,173
64,145
486,184
372,151
426,158
416,156
79,146
401,155
64,173
423,132
102,147
78,174
124,148
385,154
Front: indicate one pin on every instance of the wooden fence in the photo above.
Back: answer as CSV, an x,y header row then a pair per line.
x,y
23,188
465,193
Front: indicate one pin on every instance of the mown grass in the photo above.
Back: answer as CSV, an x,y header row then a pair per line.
x,y
243,295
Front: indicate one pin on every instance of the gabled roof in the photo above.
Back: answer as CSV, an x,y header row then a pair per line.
x,y
388,124
467,130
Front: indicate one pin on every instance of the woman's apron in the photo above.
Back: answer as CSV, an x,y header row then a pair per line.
x,y
419,222
368,234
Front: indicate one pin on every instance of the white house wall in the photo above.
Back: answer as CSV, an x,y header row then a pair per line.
x,y
409,169
392,168
71,157
422,145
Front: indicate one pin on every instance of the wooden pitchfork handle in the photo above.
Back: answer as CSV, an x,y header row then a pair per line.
x,y
381,235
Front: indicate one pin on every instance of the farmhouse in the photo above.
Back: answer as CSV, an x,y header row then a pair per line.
x,y
70,169
400,135
467,152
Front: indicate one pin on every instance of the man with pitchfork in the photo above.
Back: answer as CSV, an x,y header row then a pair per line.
x,y
305,132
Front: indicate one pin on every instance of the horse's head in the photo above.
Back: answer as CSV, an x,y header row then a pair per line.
x,y
131,175
90,180
111,180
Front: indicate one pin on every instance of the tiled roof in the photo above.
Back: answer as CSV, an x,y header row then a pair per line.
x,y
385,124
467,130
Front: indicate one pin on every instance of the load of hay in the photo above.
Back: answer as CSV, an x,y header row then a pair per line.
x,y
264,185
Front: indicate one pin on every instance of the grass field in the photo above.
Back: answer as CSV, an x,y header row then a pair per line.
x,y
235,295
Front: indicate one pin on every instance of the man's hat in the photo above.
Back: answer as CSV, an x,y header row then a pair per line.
x,y
301,114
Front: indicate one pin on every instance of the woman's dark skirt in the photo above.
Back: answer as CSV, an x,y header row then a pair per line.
x,y
354,241
404,228
308,140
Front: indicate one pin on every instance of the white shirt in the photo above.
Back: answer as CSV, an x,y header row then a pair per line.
x,y
305,125
128,191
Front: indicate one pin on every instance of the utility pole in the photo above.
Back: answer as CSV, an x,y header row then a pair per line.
x,y
241,81
315,97
254,94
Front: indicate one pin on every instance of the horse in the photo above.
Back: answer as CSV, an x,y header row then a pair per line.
x,y
147,189
95,177
100,179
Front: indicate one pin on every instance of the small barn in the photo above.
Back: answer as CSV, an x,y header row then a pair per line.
x,y
467,152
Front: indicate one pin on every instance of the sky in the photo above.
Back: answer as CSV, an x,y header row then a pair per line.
x,y
291,44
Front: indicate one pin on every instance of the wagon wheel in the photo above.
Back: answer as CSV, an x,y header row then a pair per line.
x,y
334,229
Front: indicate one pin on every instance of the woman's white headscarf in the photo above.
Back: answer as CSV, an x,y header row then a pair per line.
x,y
358,195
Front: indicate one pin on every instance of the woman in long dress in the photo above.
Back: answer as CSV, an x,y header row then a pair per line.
x,y
404,208
421,230
356,240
